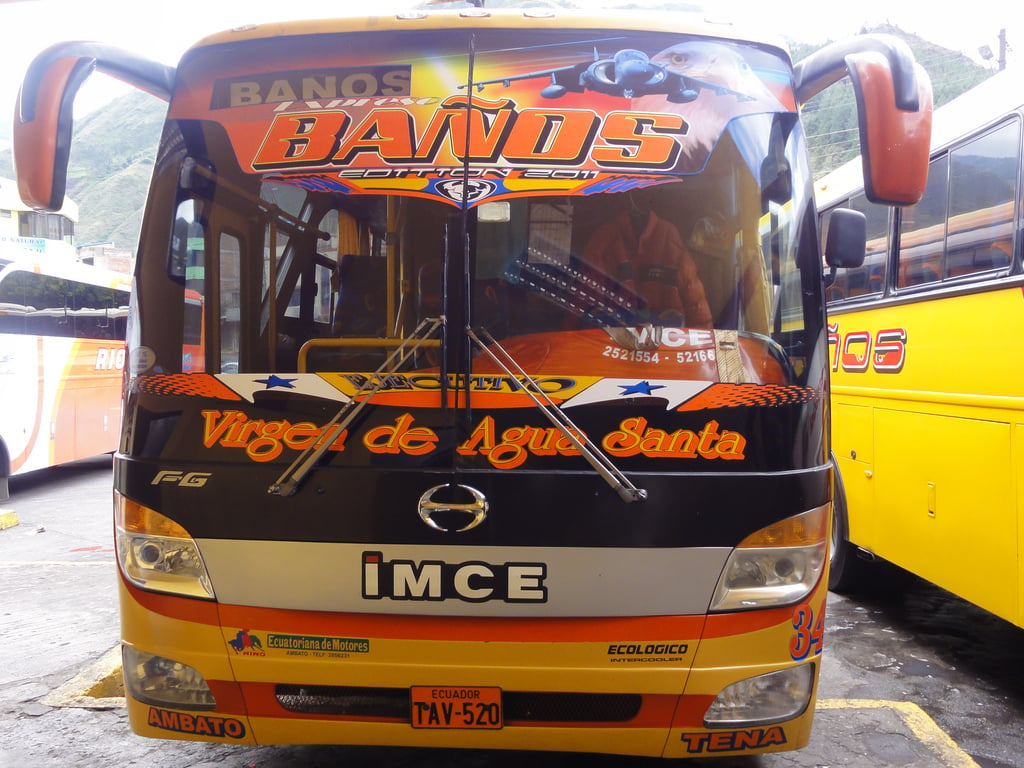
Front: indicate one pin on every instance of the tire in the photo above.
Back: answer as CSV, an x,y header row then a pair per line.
x,y
847,571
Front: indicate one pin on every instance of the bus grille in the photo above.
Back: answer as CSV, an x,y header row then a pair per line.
x,y
518,705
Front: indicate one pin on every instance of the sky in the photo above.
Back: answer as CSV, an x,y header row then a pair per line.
x,y
164,31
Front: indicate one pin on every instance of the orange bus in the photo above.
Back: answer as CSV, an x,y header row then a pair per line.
x,y
510,428
62,353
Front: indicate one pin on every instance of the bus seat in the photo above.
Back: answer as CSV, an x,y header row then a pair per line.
x,y
919,275
858,282
489,299
834,293
428,290
995,256
361,312
362,303
876,279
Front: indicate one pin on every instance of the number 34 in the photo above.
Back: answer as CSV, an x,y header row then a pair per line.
x,y
807,640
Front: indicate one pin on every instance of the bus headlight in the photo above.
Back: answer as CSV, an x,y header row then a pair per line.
x,y
777,565
156,553
763,700
164,682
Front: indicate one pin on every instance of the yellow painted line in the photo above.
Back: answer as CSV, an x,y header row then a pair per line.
x,y
8,518
916,719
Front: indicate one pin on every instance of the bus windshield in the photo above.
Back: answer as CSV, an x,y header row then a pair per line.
x,y
707,252
667,237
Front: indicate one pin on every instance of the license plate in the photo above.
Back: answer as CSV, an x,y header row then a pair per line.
x,y
455,706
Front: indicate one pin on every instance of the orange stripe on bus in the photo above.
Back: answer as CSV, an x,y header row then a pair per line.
x,y
745,622
183,609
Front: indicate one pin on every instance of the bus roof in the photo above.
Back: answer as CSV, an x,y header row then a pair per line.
x,y
72,270
695,22
986,103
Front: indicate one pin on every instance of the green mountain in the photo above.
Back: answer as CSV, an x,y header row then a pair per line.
x,y
112,154
114,147
830,118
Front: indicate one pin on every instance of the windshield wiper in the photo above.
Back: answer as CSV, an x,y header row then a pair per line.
x,y
593,455
288,483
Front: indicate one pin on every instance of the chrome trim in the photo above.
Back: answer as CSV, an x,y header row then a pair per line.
x,y
477,508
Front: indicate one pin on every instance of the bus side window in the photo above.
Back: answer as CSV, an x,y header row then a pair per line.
x,y
982,191
923,230
869,278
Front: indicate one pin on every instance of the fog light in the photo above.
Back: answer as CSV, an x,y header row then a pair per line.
x,y
164,682
764,699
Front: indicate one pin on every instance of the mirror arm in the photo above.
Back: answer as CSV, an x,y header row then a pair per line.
x,y
828,66
143,73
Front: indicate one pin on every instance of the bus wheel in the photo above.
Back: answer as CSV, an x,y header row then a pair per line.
x,y
846,568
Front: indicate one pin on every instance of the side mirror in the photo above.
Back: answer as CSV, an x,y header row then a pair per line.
x,y
42,133
895,143
44,115
894,105
846,239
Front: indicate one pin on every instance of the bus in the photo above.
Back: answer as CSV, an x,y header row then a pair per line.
x,y
510,430
62,353
927,411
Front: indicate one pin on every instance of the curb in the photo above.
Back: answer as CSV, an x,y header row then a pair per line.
x,y
99,686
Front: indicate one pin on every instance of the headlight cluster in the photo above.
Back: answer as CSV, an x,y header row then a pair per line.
x,y
156,553
777,565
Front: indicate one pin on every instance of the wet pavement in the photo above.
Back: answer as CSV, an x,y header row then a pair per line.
x,y
910,677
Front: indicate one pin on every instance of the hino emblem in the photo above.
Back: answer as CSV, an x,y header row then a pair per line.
x,y
429,507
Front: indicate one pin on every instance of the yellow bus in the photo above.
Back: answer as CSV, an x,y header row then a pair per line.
x,y
927,410
498,439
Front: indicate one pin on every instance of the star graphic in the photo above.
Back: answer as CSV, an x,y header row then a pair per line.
x,y
640,388
276,381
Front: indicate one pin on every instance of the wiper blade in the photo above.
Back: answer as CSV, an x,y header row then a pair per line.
x,y
593,455
288,483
